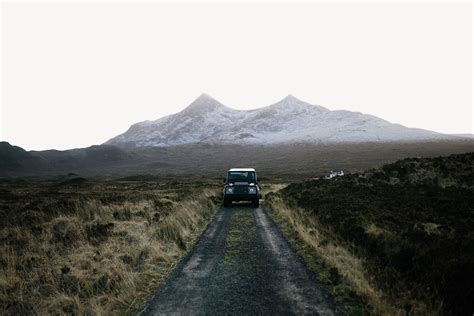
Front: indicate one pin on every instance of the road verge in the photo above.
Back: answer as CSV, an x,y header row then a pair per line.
x,y
334,265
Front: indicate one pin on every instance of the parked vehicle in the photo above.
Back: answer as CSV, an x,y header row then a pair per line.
x,y
334,174
241,185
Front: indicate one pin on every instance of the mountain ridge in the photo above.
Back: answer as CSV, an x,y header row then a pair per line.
x,y
290,120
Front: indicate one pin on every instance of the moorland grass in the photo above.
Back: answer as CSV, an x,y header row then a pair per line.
x,y
91,246
399,237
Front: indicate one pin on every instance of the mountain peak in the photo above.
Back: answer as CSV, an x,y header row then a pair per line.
x,y
204,96
291,98
204,102
291,101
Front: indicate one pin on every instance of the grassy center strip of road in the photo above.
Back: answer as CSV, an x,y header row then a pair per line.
x,y
239,251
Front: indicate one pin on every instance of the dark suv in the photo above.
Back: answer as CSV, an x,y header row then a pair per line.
x,y
241,185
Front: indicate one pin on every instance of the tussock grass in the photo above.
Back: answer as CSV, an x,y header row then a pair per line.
x,y
315,243
180,227
102,249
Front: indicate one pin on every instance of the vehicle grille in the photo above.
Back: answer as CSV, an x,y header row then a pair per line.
x,y
240,189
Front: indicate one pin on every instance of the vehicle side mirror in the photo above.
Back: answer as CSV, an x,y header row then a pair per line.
x,y
225,180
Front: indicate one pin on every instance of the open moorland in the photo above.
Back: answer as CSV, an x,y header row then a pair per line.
x,y
392,240
95,246
293,162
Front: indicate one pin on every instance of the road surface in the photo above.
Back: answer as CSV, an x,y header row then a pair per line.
x,y
242,265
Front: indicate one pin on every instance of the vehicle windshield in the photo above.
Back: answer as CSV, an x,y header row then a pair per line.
x,y
236,176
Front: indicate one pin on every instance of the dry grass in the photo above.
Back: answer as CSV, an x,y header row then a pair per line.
x,y
305,231
399,237
410,221
97,256
270,187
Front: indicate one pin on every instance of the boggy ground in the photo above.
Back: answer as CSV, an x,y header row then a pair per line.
x,y
94,246
242,265
400,236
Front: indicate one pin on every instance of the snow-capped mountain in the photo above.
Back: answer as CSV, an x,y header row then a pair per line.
x,y
289,121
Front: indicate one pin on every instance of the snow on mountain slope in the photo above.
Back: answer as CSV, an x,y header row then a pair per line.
x,y
288,121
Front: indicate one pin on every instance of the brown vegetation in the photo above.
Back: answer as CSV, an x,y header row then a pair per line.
x,y
399,237
88,246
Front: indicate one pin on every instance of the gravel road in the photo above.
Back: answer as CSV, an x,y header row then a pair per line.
x,y
242,265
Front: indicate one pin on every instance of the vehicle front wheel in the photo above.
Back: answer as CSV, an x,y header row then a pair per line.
x,y
227,202
256,202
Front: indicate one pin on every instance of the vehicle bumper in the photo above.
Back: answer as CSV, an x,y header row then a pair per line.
x,y
241,197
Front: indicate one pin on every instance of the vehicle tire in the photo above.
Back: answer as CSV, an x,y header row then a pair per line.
x,y
256,202
227,202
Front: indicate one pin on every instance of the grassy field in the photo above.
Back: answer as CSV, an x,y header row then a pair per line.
x,y
392,240
95,246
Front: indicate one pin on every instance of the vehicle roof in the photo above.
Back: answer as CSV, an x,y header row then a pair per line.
x,y
242,169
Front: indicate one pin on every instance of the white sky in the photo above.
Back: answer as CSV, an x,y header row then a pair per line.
x,y
77,74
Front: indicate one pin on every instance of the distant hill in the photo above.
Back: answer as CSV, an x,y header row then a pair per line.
x,y
466,135
15,160
289,121
291,161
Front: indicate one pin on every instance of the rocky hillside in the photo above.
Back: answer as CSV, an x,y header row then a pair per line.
x,y
289,121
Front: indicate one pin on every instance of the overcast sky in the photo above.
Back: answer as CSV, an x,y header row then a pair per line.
x,y
77,74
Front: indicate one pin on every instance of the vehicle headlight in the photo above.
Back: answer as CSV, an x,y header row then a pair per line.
x,y
252,190
229,190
